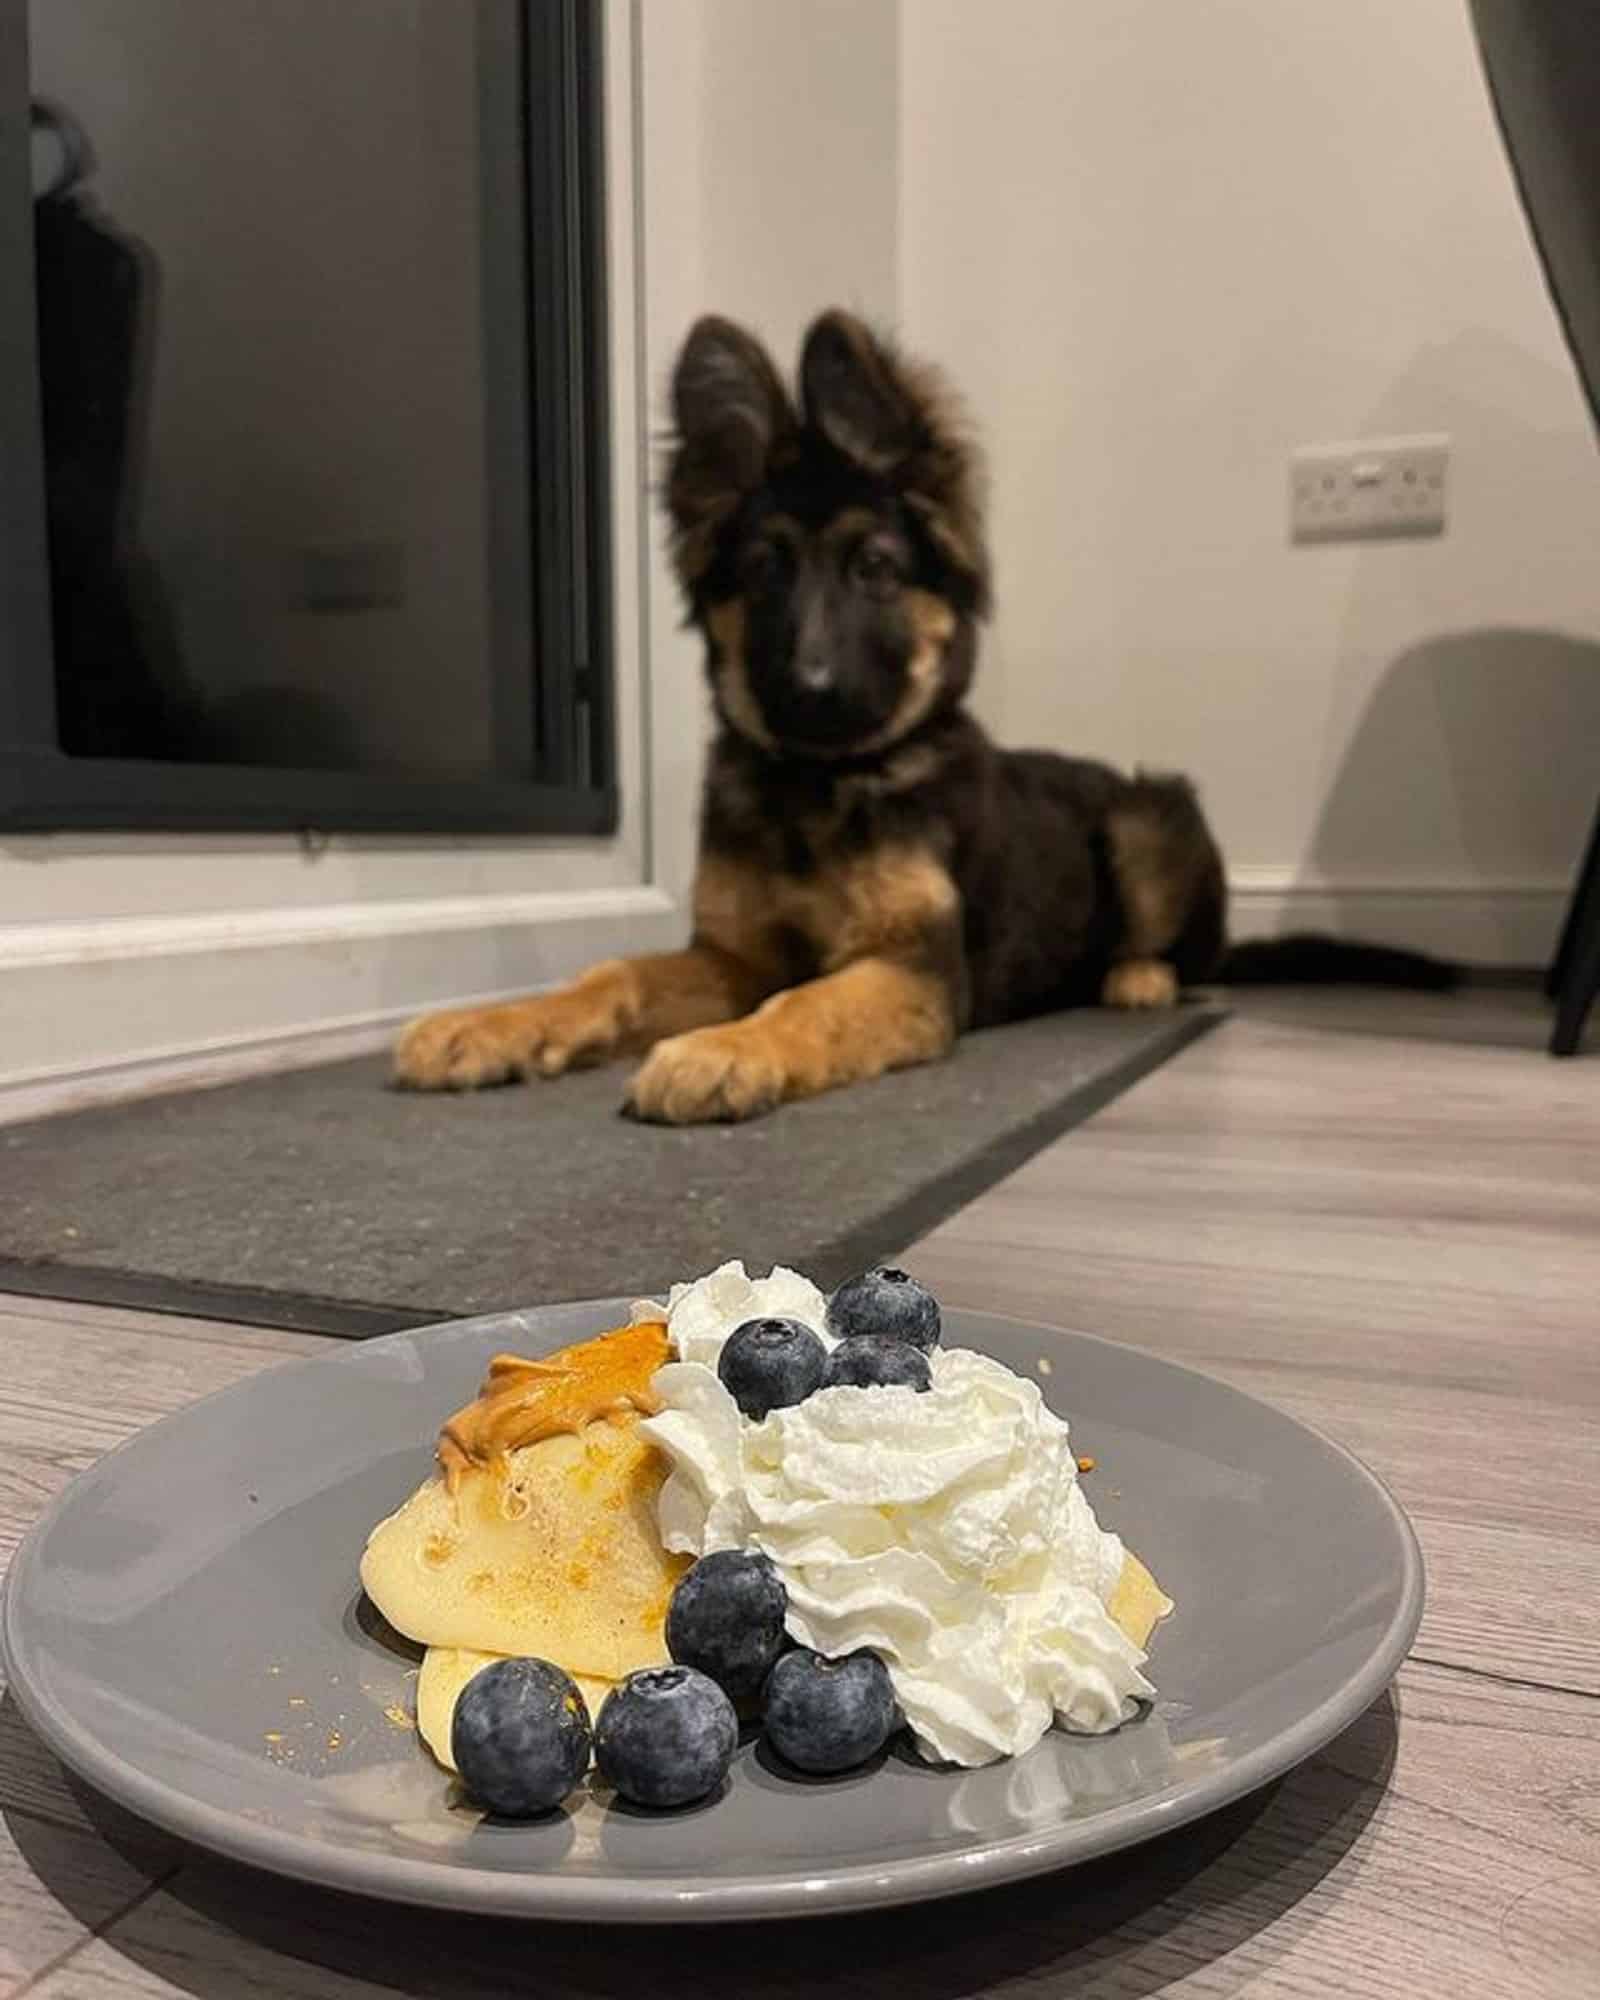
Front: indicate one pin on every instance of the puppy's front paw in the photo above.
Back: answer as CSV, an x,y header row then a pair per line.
x,y
711,1075
1141,982
464,1049
469,1047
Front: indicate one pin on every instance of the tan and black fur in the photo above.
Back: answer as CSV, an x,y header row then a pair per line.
x,y
875,876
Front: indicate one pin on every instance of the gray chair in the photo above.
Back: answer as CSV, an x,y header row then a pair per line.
x,y
1542,61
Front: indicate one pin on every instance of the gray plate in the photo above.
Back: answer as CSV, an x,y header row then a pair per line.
x,y
184,1629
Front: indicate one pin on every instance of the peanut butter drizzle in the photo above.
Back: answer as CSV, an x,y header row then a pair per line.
x,y
522,1401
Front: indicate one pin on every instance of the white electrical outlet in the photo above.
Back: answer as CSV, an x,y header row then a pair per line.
x,y
1376,488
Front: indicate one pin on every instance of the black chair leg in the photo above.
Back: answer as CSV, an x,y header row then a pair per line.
x,y
1575,975
1555,977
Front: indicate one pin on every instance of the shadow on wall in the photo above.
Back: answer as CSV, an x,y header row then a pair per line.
x,y
1475,748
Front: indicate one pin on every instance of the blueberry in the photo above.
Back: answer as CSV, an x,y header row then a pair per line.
x,y
877,1361
726,1618
884,1300
767,1364
829,1715
520,1737
666,1736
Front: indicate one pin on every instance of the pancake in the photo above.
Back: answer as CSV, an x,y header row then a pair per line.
x,y
537,1534
1138,1603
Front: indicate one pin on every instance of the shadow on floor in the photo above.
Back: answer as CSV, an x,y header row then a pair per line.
x,y
1512,1016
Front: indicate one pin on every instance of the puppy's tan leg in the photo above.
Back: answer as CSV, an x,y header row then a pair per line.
x,y
1170,886
885,928
623,1004
872,1015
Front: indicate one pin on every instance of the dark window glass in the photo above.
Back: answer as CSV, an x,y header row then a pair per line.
x,y
316,296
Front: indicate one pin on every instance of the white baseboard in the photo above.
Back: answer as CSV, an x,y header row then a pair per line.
x,y
199,1068
1474,922
93,940
128,1005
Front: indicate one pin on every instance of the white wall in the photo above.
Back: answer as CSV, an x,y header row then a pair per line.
x,y
770,142
1162,245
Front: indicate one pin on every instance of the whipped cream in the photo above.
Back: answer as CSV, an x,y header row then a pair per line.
x,y
945,1530
701,1314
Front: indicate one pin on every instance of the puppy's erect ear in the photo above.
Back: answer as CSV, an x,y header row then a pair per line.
x,y
729,410
850,393
898,420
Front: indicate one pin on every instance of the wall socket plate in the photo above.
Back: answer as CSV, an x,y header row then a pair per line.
x,y
1370,490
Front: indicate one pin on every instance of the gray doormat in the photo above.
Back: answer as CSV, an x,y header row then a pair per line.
x,y
322,1200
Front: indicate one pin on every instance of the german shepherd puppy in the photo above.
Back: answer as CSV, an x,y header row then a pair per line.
x,y
875,876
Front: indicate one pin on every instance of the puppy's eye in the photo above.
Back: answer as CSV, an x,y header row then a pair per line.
x,y
760,566
875,569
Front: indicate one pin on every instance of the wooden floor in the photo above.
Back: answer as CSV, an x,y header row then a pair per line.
x,y
1382,1213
